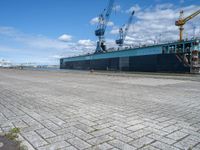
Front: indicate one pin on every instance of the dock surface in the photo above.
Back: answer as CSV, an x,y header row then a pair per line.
x,y
86,111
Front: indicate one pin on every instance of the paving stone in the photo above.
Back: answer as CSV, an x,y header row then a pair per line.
x,y
120,136
57,121
20,124
164,146
162,139
100,139
194,138
50,125
34,139
45,133
102,126
177,135
84,127
139,133
32,128
55,146
136,127
149,147
141,142
186,144
101,132
81,134
78,143
157,131
121,145
135,122
103,146
120,129
99,110
68,148
171,129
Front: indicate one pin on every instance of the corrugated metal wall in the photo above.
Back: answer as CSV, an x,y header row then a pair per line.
x,y
150,63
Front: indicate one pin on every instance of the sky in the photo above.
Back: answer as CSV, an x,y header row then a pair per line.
x,y
42,31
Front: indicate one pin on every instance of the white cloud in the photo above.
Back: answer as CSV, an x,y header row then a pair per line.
x,y
94,21
65,38
41,49
157,24
135,8
86,42
110,23
115,30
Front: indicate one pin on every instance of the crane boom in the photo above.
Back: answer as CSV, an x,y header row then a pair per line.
x,y
123,32
108,12
129,24
182,21
102,25
192,16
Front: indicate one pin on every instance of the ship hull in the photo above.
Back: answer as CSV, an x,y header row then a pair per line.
x,y
146,63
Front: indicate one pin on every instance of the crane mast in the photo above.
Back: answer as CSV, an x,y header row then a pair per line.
x,y
182,21
102,25
123,32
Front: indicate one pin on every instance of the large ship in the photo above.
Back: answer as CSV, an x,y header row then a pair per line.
x,y
179,56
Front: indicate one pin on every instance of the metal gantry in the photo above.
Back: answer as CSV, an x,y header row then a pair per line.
x,y
102,25
182,21
124,30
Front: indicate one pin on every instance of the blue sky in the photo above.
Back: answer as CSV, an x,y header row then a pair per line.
x,y
31,30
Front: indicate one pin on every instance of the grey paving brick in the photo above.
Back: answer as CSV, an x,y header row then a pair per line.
x,y
136,127
78,143
141,142
134,122
101,132
81,134
45,133
34,139
162,139
120,136
50,125
149,147
100,139
55,146
164,146
139,133
120,129
84,127
20,124
186,144
60,138
171,129
102,126
103,146
121,145
194,138
106,112
68,148
32,128
177,135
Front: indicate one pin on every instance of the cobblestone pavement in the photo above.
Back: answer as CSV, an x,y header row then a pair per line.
x,y
69,111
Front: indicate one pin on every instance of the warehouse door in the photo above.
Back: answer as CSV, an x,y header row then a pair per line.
x,y
124,63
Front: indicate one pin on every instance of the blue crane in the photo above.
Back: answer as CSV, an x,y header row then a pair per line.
x,y
123,32
101,28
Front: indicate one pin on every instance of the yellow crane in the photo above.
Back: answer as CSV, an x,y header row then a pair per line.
x,y
182,21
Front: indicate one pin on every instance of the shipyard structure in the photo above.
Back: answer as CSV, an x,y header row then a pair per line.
x,y
181,56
